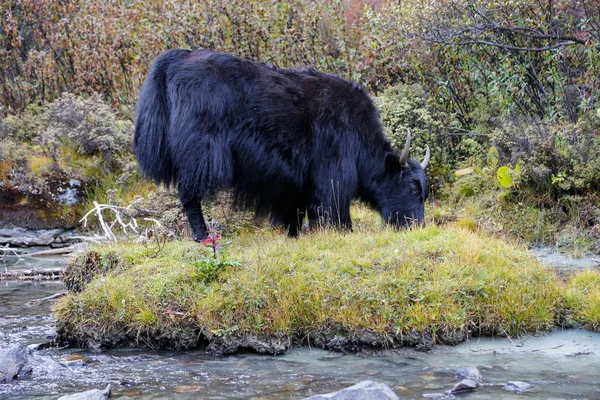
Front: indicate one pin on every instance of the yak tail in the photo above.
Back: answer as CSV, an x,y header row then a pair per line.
x,y
150,140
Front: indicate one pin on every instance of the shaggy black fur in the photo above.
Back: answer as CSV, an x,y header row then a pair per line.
x,y
286,141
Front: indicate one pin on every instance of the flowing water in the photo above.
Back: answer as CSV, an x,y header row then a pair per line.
x,y
560,365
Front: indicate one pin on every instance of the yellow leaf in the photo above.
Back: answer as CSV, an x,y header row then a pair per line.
x,y
464,171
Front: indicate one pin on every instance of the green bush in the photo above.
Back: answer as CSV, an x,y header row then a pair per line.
x,y
405,107
555,158
24,127
88,127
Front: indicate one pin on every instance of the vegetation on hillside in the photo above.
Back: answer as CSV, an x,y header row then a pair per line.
x,y
517,80
504,93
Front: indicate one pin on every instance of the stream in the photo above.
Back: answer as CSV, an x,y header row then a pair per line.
x,y
564,364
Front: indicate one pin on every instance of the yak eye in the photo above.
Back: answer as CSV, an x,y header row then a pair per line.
x,y
414,187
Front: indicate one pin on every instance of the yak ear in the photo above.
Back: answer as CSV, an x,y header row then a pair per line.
x,y
392,163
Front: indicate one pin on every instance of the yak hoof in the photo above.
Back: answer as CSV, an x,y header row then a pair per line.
x,y
199,237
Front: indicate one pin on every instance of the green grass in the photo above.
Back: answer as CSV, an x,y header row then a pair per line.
x,y
389,283
582,299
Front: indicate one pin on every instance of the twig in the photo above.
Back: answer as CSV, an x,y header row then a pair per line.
x,y
118,213
15,252
509,338
37,302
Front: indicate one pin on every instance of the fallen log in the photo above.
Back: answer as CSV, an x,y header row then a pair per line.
x,y
31,274
52,252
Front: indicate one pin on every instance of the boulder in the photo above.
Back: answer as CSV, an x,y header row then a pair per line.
x,y
518,386
12,362
434,395
94,394
466,385
365,390
21,237
471,373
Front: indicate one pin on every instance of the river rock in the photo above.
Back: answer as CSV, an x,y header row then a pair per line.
x,y
231,344
471,373
12,362
466,385
25,371
21,237
518,386
365,390
94,394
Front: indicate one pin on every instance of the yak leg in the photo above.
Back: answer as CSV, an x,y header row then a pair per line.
x,y
193,210
331,207
289,217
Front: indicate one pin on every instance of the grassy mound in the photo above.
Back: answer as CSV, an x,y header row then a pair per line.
x,y
347,292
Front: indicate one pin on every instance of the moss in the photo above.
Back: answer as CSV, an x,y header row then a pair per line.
x,y
391,286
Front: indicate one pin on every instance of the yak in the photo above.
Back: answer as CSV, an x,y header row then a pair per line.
x,y
287,142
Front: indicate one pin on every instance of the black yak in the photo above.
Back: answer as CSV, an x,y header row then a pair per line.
x,y
286,141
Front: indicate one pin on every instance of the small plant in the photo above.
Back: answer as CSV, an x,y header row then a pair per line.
x,y
213,239
508,177
209,269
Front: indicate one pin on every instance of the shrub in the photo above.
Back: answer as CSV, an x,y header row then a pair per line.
x,y
89,127
555,158
25,127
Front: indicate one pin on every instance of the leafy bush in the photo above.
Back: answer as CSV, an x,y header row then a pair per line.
x,y
25,127
87,126
464,54
76,145
404,108
555,159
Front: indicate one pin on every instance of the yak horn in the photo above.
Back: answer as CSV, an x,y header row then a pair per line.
x,y
404,156
425,161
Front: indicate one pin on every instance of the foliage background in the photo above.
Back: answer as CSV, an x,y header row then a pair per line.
x,y
522,75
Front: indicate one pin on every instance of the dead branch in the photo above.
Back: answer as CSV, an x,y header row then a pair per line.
x,y
10,252
120,217
53,297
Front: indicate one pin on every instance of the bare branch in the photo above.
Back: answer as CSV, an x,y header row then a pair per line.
x,y
504,46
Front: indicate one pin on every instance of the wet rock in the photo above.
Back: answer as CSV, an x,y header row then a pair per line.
x,y
12,362
21,237
365,390
233,344
25,371
40,346
94,394
421,341
452,338
466,385
471,373
66,238
518,386
433,395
